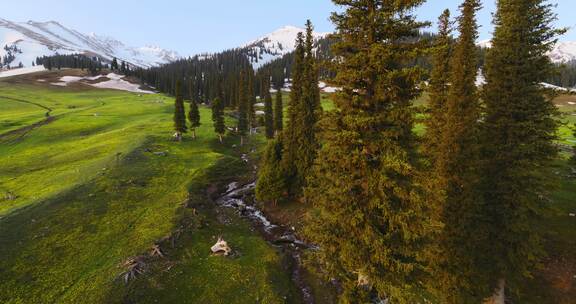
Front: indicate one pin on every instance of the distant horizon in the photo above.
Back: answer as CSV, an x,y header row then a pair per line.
x,y
234,24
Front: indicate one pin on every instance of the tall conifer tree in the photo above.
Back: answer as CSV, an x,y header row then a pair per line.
x,y
369,219
179,112
218,118
243,107
271,183
290,137
308,109
268,111
438,90
114,64
519,133
278,112
252,119
194,117
457,276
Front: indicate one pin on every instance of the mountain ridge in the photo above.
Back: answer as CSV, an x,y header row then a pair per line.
x,y
31,39
275,44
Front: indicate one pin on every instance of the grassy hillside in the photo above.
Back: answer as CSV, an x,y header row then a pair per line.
x,y
567,106
101,182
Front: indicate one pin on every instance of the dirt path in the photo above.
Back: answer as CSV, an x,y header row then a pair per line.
x,y
28,102
19,133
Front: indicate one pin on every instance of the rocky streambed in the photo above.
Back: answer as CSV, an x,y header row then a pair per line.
x,y
238,197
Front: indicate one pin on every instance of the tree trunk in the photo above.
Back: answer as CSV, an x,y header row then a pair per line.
x,y
220,137
193,133
499,296
241,140
178,136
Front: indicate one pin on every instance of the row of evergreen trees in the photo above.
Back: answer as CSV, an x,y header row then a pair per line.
x,y
289,157
180,124
123,68
206,77
72,61
565,75
453,214
221,80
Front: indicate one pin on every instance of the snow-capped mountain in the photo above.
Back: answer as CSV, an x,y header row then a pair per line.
x,y
24,41
275,45
485,44
563,51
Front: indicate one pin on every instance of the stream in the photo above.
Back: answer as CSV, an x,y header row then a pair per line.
x,y
279,236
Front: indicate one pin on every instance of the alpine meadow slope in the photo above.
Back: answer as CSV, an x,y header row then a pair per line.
x,y
90,178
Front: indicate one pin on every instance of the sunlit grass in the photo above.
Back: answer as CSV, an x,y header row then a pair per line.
x,y
90,190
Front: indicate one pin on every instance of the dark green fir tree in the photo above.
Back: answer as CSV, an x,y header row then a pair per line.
x,y
456,275
438,89
518,139
290,134
271,184
218,118
369,219
114,64
268,110
308,110
179,113
278,112
243,107
194,117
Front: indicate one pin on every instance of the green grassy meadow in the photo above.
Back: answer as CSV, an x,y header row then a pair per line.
x,y
103,182
567,107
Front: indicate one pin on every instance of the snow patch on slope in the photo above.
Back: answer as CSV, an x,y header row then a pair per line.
x,y
22,71
115,82
557,88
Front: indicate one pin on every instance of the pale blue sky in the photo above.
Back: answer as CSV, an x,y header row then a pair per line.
x,y
194,26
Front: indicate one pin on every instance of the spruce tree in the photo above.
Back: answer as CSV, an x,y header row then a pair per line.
x,y
271,184
268,111
194,117
278,112
438,89
179,113
312,70
435,122
218,118
290,137
454,150
252,119
308,110
369,219
518,139
243,107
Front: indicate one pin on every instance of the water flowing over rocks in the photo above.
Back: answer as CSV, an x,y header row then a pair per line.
x,y
237,198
